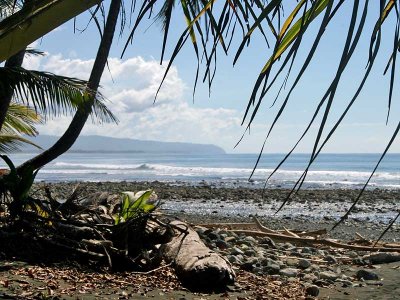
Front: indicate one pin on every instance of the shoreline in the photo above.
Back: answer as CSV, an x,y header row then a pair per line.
x,y
309,209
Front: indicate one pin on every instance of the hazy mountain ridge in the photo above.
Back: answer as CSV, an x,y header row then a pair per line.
x,y
95,143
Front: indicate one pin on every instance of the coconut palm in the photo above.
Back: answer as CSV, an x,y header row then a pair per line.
x,y
46,92
82,114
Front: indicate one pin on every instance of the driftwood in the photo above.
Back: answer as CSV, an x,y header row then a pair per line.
x,y
195,264
382,258
257,224
314,241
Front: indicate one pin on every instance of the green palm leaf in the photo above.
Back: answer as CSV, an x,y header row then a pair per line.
x,y
51,94
20,119
12,142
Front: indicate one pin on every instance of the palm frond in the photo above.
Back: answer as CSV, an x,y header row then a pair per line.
x,y
50,94
13,142
21,119
34,20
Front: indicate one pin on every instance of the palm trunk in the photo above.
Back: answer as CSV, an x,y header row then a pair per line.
x,y
7,94
72,133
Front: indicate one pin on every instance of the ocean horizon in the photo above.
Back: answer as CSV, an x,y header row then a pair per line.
x,y
334,170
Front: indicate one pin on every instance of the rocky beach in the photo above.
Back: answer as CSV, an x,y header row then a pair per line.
x,y
311,271
309,209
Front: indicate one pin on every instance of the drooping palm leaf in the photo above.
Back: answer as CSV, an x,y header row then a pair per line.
x,y
20,119
52,94
13,142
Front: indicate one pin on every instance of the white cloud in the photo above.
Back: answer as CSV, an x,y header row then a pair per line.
x,y
131,86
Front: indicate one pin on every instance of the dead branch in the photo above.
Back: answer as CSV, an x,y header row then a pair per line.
x,y
314,241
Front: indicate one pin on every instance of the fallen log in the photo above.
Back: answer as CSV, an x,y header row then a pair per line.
x,y
195,264
314,241
382,258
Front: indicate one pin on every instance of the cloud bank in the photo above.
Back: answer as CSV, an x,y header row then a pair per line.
x,y
130,85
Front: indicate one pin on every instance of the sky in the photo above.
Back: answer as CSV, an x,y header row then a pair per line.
x,y
131,82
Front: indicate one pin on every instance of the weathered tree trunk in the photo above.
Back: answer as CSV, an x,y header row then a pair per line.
x,y
78,122
6,94
196,265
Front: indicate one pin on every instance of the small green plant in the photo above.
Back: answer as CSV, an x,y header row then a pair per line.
x,y
134,205
15,188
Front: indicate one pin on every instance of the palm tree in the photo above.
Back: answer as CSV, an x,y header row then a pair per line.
x,y
74,129
46,92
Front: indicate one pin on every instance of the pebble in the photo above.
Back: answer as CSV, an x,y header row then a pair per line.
x,y
236,251
366,275
304,263
289,272
312,290
221,244
328,275
272,269
310,277
267,243
307,250
291,262
330,259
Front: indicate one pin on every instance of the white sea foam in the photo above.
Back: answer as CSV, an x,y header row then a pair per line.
x,y
164,171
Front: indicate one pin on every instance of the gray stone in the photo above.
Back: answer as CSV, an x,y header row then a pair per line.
x,y
250,252
312,290
247,266
221,244
267,243
289,272
330,259
328,275
315,267
236,251
352,254
310,277
346,283
272,269
292,262
229,239
288,246
251,239
213,236
307,250
240,258
304,263
267,261
366,275
232,259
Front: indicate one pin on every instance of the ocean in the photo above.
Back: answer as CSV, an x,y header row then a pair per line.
x,y
330,171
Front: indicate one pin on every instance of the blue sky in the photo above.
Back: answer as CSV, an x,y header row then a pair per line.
x,y
216,119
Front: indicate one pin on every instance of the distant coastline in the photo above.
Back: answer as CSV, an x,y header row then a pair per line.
x,y
103,144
